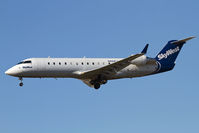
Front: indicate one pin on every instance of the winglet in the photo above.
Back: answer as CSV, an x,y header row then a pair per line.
x,y
144,51
183,40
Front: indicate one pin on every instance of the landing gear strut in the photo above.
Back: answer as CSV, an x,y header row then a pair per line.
x,y
21,83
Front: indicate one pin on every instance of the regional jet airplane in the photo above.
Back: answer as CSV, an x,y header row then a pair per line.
x,y
97,71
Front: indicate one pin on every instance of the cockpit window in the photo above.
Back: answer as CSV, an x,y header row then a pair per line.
x,y
20,62
24,62
28,61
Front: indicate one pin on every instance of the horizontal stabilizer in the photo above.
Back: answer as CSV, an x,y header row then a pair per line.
x,y
182,41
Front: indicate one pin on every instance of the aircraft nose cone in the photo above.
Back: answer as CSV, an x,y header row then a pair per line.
x,y
12,72
8,72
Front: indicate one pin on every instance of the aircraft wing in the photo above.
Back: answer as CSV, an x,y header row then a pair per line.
x,y
109,69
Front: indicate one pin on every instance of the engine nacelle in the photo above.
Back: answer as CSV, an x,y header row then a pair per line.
x,y
140,60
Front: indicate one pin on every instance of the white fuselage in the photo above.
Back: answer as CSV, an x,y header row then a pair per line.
x,y
73,67
97,71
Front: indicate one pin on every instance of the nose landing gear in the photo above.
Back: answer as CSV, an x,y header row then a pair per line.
x,y
21,84
21,81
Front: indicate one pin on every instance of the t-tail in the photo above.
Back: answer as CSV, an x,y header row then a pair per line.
x,y
167,56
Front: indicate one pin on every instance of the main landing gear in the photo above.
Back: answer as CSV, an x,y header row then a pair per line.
x,y
97,86
21,83
98,83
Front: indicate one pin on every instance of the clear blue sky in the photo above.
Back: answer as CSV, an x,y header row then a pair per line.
x,y
167,102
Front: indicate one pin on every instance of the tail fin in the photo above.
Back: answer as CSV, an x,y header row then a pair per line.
x,y
167,56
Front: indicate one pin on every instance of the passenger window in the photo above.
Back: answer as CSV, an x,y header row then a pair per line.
x,y
76,63
48,63
87,63
93,63
53,63
59,63
65,63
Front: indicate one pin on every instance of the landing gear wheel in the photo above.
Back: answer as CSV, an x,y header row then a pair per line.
x,y
104,81
96,86
21,84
